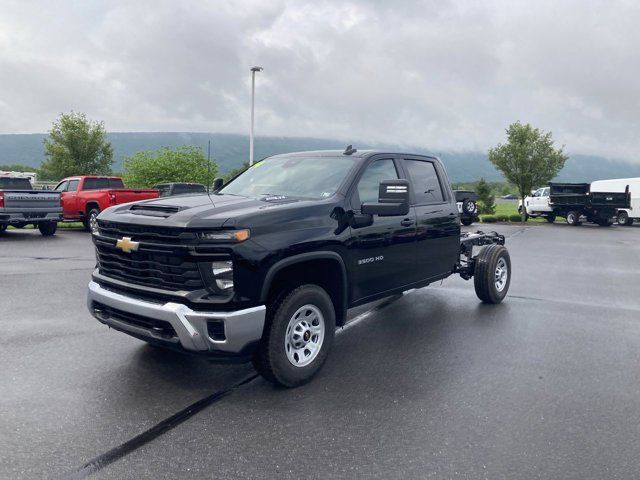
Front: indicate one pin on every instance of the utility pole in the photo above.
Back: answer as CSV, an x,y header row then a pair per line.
x,y
253,94
208,165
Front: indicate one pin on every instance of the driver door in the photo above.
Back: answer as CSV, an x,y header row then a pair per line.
x,y
382,249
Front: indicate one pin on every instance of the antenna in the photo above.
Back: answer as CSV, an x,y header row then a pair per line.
x,y
349,150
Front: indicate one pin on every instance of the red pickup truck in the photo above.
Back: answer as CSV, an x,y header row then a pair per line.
x,y
84,197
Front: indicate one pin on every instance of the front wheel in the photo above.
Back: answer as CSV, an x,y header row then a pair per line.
x,y
297,337
624,219
492,275
47,229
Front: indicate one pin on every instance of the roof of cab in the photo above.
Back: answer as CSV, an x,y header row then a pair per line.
x,y
340,153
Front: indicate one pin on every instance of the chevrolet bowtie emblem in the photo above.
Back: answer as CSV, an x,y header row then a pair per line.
x,y
126,245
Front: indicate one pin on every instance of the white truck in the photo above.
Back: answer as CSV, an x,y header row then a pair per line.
x,y
537,205
624,216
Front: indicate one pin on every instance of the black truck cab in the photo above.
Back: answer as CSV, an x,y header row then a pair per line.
x,y
266,267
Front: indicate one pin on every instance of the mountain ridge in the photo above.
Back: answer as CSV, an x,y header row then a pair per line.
x,y
231,150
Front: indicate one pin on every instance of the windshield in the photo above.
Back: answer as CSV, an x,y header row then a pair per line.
x,y
303,177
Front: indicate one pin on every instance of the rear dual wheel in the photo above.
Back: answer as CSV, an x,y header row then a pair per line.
x,y
492,274
297,337
573,218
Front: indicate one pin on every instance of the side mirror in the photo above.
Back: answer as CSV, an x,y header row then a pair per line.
x,y
217,183
393,199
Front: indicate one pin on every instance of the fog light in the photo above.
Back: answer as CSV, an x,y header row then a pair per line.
x,y
223,273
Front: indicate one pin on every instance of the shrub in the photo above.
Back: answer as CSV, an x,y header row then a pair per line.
x,y
515,217
502,217
488,218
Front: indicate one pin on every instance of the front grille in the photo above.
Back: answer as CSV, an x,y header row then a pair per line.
x,y
145,233
158,327
166,271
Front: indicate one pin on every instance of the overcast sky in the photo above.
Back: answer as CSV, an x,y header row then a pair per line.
x,y
447,75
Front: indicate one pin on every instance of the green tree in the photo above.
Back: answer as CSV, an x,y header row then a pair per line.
x,y
528,158
76,146
486,201
235,171
181,164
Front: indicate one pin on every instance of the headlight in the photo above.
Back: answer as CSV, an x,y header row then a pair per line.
x,y
223,274
224,236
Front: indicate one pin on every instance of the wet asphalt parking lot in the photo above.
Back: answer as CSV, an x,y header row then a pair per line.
x,y
432,385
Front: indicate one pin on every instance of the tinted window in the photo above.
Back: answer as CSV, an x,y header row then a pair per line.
x,y
164,189
73,185
102,183
369,184
8,183
424,180
182,189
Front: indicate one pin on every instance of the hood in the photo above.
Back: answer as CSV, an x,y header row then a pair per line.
x,y
195,211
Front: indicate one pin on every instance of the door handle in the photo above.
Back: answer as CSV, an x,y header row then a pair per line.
x,y
407,222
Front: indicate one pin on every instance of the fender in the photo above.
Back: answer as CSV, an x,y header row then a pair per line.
x,y
303,257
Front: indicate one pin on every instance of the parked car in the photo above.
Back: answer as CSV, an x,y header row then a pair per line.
x,y
171,189
84,197
510,196
266,267
466,201
21,205
576,202
624,216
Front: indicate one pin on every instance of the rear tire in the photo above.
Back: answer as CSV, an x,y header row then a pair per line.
x,y
3,227
297,337
47,229
466,221
492,275
573,218
91,223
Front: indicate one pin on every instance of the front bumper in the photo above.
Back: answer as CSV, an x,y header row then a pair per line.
x,y
189,329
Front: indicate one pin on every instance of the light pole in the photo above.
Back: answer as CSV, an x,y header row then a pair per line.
x,y
253,94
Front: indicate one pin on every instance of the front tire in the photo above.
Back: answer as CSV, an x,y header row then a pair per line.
x,y
492,275
624,219
47,229
297,337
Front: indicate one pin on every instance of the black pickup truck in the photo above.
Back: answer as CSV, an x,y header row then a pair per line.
x,y
265,268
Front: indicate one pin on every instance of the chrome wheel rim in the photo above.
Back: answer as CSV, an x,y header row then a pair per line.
x,y
304,335
501,274
93,223
570,218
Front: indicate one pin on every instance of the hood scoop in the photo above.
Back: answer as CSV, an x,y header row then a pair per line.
x,y
163,211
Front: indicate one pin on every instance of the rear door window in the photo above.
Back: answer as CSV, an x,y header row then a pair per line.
x,y
424,180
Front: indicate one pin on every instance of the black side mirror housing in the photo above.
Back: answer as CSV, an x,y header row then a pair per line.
x,y
393,199
217,183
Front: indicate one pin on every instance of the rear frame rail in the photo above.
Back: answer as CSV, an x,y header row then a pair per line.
x,y
466,265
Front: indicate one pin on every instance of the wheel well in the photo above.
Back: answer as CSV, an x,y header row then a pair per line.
x,y
90,206
324,272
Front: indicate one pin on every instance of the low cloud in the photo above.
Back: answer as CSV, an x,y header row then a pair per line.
x,y
447,75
